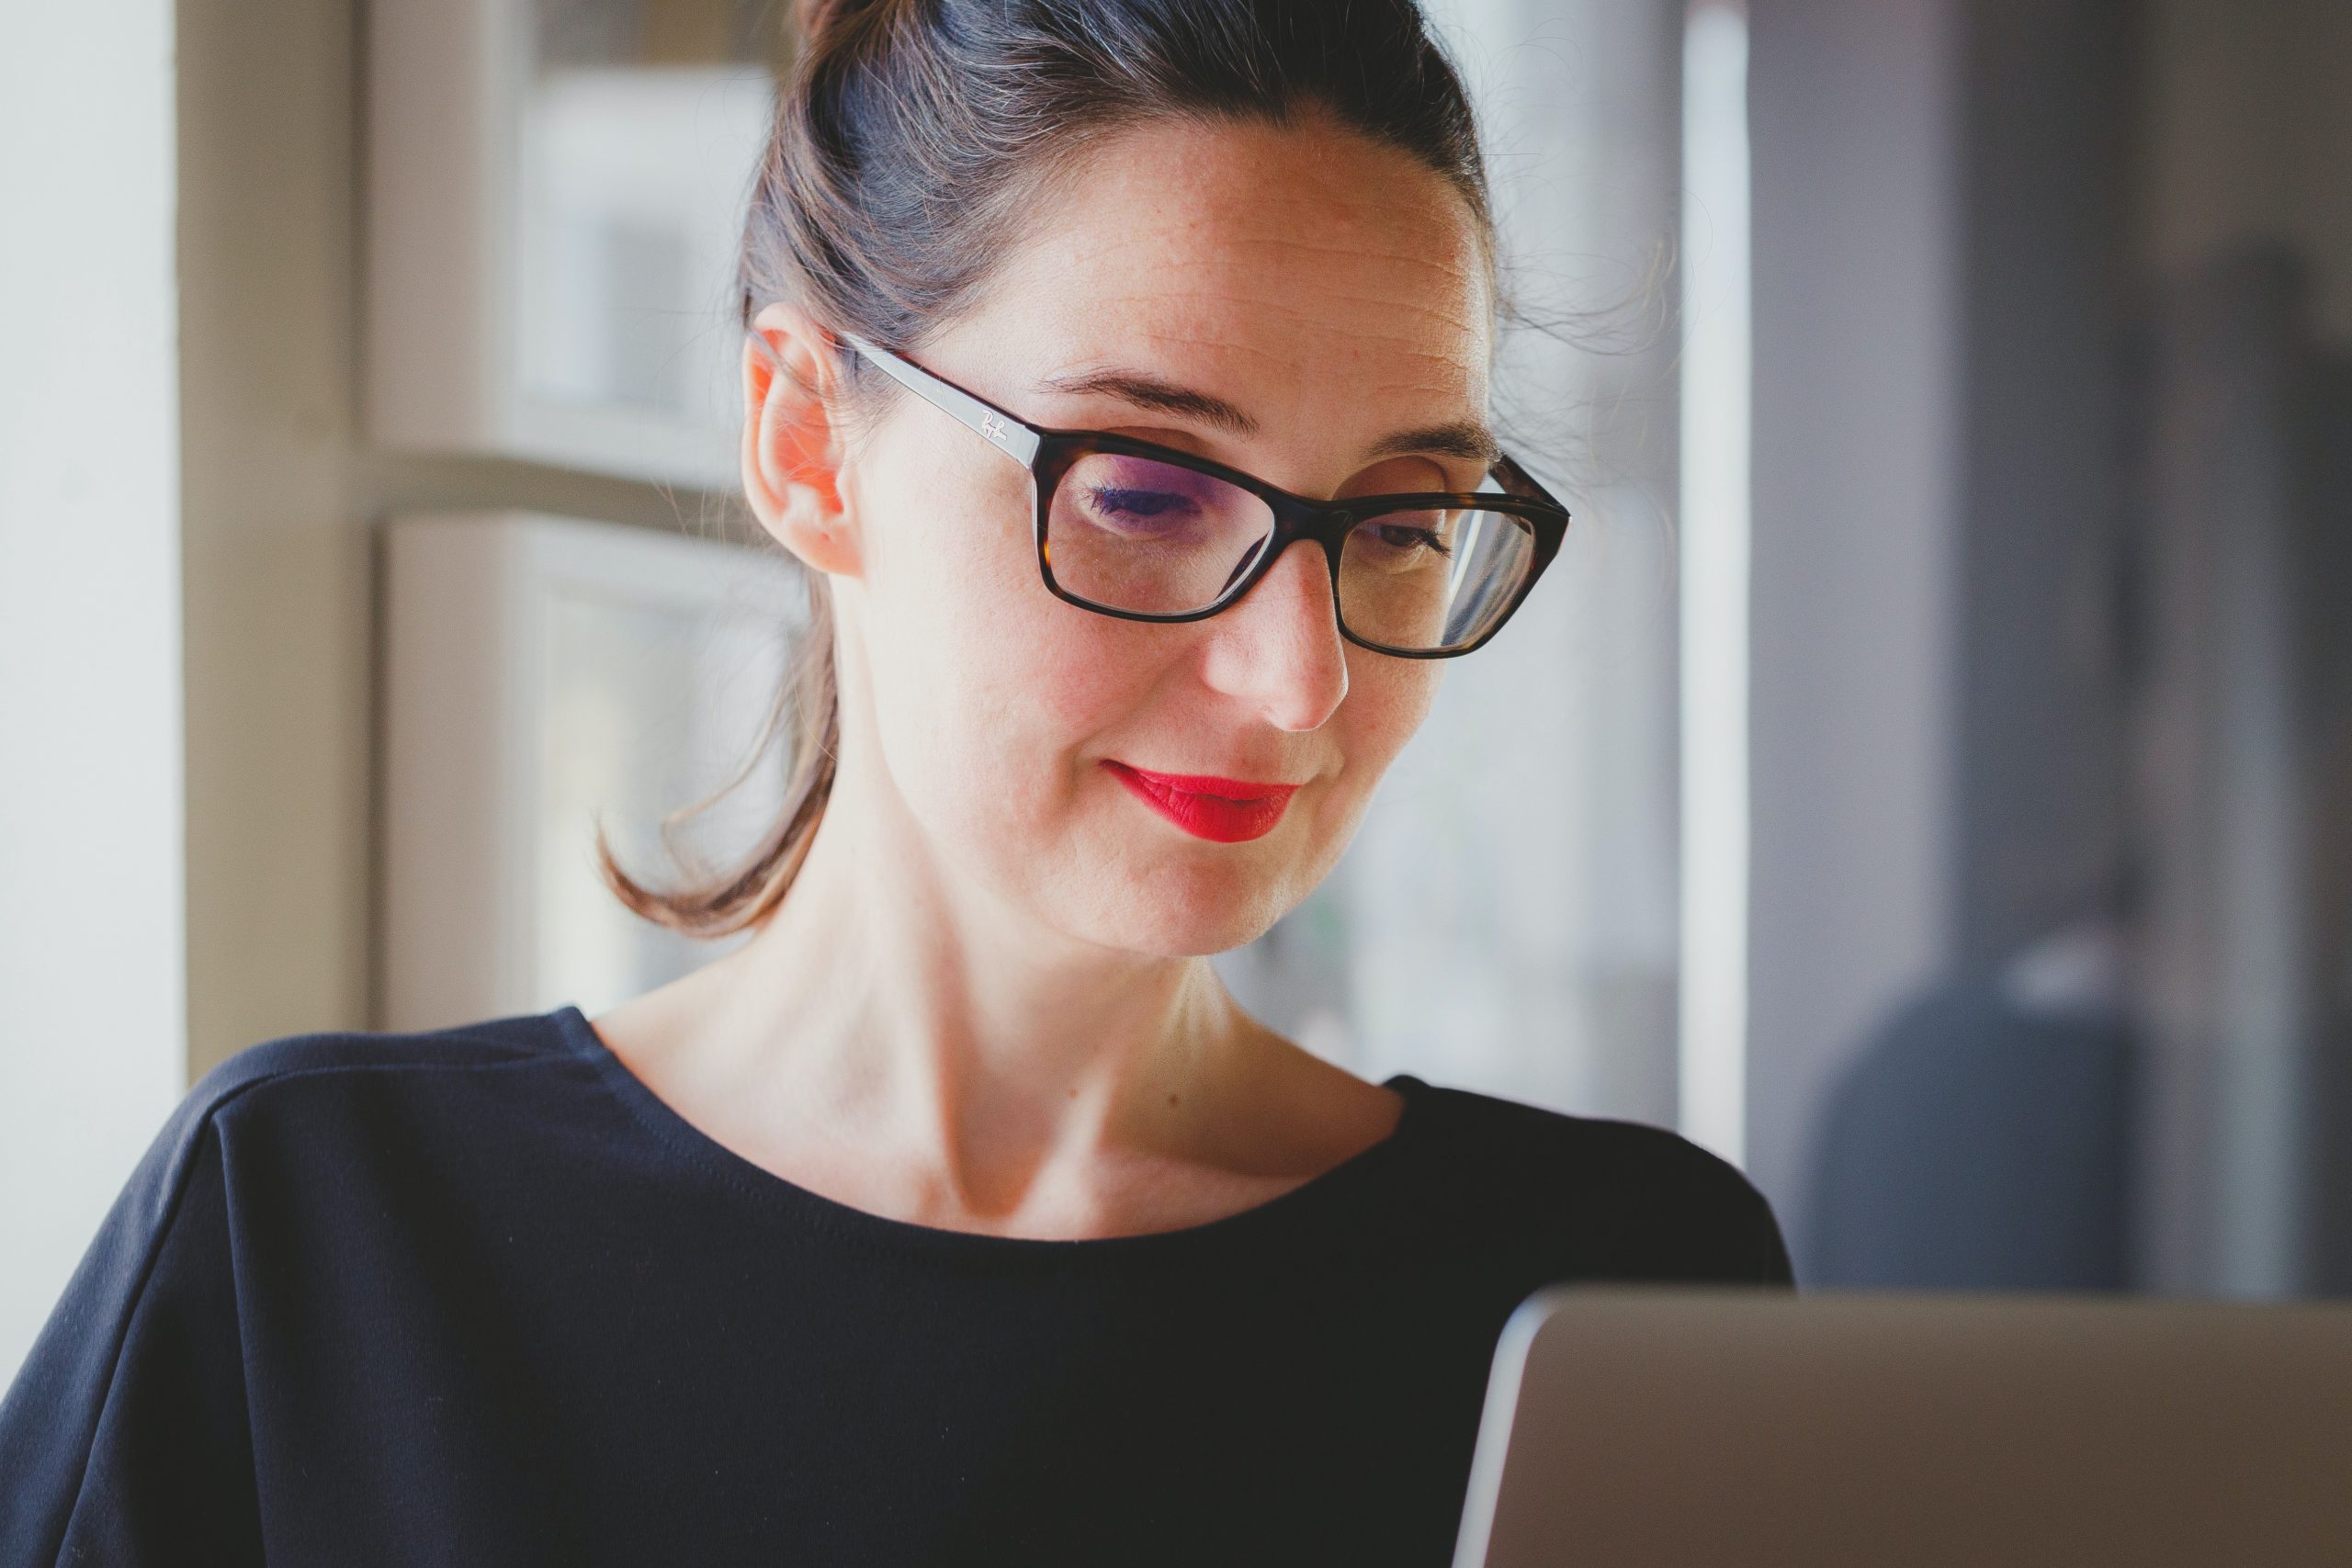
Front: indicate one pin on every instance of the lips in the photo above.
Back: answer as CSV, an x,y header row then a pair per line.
x,y
1226,811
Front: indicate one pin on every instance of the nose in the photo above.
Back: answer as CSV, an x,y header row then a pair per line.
x,y
1280,649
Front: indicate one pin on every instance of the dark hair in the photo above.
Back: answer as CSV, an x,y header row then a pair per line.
x,y
912,137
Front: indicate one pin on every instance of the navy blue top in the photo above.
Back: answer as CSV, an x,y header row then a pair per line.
x,y
479,1296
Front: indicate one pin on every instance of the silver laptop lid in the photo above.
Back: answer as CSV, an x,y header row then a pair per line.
x,y
1703,1426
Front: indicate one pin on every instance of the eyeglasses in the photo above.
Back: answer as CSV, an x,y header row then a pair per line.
x,y
1147,533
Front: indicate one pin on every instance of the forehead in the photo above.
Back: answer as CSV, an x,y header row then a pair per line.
x,y
1252,254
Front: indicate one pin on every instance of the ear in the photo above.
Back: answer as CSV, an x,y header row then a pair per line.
x,y
792,452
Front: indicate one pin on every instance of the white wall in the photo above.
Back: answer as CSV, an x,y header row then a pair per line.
x,y
276,570
278,495
92,1042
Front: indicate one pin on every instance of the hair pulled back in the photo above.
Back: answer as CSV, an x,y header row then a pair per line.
x,y
911,139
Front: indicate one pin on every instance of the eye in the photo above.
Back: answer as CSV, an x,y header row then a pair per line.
x,y
1136,508
1401,541
1405,537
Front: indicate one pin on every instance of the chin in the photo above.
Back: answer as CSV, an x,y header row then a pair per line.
x,y
1189,908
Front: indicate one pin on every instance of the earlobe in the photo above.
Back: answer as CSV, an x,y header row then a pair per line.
x,y
792,457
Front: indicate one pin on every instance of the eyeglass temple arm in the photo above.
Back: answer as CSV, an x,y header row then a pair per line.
x,y
1016,440
1518,481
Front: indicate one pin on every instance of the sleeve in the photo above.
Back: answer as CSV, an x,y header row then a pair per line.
x,y
1772,1266
125,1439
1736,1235
1666,1210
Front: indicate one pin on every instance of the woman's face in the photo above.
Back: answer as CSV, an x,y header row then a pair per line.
x,y
1331,292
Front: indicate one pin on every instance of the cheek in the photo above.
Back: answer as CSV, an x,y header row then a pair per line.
x,y
1387,700
985,683
1403,691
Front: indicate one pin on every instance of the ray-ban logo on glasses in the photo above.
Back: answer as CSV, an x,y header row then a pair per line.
x,y
993,428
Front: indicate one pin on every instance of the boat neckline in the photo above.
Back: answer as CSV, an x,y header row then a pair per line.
x,y
664,1122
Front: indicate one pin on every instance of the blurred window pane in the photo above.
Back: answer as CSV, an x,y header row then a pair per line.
x,y
642,123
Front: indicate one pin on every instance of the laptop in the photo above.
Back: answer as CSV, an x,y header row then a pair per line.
x,y
1705,1425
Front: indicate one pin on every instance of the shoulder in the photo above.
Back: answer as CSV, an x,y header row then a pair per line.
x,y
255,1090
1594,1159
148,1334
265,1082
345,1053
1643,1200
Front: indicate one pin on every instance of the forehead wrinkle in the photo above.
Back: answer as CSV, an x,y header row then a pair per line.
x,y
1382,307
1143,304
1451,306
1449,383
1296,298
1438,373
1410,306
1075,251
1418,258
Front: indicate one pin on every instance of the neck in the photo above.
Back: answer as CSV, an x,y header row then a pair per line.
x,y
910,1010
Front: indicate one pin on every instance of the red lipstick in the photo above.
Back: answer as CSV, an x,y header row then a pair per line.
x,y
1225,810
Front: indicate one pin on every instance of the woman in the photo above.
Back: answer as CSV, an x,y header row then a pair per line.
x,y
959,1213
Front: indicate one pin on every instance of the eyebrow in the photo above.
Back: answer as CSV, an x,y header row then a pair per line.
x,y
1151,392
1458,438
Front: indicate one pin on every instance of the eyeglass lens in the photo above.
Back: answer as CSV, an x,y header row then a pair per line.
x,y
1133,533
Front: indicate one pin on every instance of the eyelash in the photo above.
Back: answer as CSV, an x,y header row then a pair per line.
x,y
1427,536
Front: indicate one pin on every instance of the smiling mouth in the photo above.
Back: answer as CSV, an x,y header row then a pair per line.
x,y
1225,811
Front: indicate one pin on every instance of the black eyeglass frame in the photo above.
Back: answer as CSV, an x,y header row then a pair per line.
x,y
1047,454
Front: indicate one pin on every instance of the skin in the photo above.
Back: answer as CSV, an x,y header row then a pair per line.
x,y
985,1005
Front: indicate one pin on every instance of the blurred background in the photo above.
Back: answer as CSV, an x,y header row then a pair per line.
x,y
1925,778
